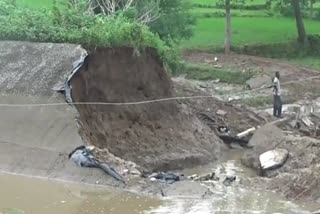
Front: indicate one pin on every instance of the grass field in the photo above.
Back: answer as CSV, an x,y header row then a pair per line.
x,y
312,62
210,32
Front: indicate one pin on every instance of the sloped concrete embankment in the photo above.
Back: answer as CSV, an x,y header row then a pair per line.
x,y
35,141
157,136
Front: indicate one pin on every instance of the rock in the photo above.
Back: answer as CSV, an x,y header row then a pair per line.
x,y
264,139
273,159
153,179
221,112
259,81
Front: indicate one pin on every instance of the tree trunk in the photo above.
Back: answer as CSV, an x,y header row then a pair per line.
x,y
302,39
227,43
311,8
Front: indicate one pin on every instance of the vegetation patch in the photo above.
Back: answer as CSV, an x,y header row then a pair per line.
x,y
69,25
205,72
289,49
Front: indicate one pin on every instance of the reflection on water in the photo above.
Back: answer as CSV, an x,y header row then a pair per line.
x,y
33,196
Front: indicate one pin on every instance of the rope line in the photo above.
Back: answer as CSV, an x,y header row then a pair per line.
x,y
145,101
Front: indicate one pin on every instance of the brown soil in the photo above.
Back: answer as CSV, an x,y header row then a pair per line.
x,y
157,136
237,117
259,65
298,178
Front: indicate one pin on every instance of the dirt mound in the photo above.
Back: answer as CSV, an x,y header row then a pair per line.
x,y
298,178
159,135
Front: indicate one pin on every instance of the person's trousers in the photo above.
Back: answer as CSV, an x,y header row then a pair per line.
x,y
277,106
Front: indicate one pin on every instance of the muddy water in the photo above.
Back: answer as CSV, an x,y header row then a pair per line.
x,y
33,196
19,195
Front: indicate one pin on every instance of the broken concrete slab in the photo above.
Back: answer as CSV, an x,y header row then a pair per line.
x,y
307,122
35,141
273,159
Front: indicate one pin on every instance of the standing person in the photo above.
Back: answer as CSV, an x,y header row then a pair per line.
x,y
277,103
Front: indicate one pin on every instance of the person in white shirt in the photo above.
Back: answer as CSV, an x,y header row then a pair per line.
x,y
277,102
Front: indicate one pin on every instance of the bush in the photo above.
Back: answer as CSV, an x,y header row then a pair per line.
x,y
71,26
314,44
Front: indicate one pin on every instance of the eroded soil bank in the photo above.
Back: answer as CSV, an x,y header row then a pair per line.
x,y
173,134
156,136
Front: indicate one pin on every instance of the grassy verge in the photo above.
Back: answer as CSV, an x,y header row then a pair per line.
x,y
210,32
308,61
205,72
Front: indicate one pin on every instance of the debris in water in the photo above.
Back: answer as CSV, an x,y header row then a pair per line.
x,y
229,180
165,177
83,157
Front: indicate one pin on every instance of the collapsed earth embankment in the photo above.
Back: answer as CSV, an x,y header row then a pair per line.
x,y
157,136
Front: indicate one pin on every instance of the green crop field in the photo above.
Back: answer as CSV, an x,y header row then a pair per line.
x,y
209,32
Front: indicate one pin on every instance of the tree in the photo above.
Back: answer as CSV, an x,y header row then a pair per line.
x,y
227,42
170,19
302,38
175,21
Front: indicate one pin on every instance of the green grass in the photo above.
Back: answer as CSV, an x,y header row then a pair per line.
x,y
210,32
310,61
205,72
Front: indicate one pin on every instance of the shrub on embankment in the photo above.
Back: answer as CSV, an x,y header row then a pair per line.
x,y
68,25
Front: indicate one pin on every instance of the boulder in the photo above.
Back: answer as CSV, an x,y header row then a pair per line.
x,y
273,159
264,139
